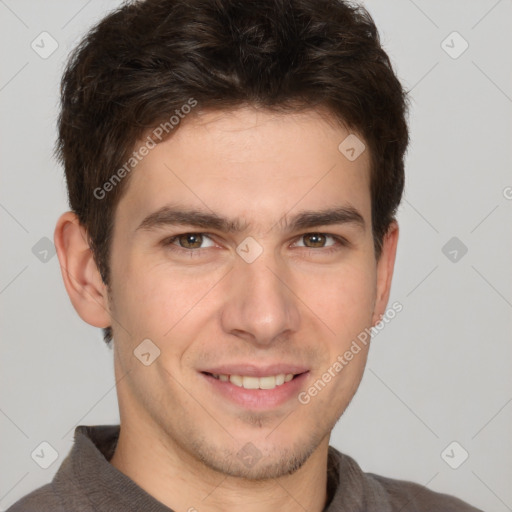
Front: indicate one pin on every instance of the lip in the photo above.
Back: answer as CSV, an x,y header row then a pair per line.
x,y
256,399
256,371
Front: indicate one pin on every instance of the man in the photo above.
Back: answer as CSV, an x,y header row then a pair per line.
x,y
234,170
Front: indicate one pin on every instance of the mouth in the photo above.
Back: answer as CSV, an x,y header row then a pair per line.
x,y
252,382
257,390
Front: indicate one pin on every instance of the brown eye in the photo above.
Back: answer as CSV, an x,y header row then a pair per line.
x,y
315,239
327,242
190,240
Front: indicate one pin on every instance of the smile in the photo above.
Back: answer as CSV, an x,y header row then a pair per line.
x,y
251,382
263,390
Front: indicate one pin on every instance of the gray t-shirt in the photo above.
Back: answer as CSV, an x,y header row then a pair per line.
x,y
87,482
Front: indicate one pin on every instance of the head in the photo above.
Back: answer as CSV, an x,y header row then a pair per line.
x,y
237,112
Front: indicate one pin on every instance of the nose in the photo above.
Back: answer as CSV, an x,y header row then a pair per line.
x,y
261,305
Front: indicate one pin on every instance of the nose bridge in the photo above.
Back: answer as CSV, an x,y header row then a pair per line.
x,y
260,307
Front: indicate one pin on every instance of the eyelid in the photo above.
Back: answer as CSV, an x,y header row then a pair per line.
x,y
341,241
171,239
336,238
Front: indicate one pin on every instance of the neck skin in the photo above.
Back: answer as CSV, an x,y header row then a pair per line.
x,y
183,483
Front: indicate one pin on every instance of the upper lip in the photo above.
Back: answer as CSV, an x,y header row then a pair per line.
x,y
256,371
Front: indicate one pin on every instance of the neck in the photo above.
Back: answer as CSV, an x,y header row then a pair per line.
x,y
181,482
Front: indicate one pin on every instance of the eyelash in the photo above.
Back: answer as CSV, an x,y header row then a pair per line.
x,y
168,243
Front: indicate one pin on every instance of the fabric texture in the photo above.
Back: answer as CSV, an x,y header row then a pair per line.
x,y
87,482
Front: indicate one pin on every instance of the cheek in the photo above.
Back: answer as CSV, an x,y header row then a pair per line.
x,y
139,299
343,298
155,300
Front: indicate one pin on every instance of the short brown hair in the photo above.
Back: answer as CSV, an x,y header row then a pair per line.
x,y
145,60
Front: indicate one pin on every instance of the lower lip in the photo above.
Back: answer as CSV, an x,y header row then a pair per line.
x,y
258,399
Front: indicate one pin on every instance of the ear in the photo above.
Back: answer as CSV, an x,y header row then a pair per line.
x,y
385,266
81,276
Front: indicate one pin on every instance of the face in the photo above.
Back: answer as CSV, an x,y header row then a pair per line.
x,y
243,250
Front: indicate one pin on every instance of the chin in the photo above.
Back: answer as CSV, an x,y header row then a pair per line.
x,y
251,463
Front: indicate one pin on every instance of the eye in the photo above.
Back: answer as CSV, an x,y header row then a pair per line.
x,y
194,242
189,241
318,240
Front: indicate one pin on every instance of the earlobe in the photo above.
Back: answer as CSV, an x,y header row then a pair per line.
x,y
82,280
385,267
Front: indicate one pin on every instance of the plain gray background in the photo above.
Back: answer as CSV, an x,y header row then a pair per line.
x,y
438,373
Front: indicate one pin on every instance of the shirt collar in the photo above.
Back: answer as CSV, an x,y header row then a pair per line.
x,y
107,488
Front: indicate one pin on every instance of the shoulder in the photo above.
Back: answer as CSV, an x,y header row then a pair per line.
x,y
412,497
40,500
352,487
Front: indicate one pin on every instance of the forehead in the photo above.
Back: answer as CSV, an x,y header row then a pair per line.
x,y
253,163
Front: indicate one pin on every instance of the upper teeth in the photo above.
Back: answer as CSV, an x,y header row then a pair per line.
x,y
249,382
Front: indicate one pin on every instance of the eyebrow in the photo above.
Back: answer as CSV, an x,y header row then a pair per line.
x,y
176,216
